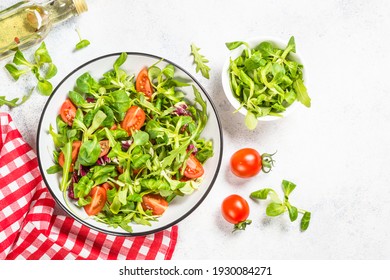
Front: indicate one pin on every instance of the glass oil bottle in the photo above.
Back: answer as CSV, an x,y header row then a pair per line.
x,y
26,23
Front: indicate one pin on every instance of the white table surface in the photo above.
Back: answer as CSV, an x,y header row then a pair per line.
x,y
337,152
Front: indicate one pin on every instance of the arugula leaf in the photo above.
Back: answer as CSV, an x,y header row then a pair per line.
x,y
202,114
200,61
301,91
14,102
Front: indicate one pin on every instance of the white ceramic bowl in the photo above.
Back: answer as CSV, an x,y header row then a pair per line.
x,y
253,42
180,207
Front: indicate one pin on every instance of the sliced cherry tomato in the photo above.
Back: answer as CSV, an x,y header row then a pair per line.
x,y
136,171
68,112
119,169
75,151
154,202
106,186
194,168
143,84
134,119
184,179
235,210
105,147
99,198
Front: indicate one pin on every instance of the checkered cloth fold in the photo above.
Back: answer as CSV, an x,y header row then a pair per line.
x,y
30,230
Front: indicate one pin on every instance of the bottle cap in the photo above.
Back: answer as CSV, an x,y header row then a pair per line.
x,y
81,6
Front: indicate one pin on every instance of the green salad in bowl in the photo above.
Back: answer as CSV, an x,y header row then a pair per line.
x,y
127,145
263,79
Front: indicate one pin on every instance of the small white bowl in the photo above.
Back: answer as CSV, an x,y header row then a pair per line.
x,y
253,42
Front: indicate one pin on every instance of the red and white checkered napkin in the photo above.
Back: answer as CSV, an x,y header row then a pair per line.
x,y
30,230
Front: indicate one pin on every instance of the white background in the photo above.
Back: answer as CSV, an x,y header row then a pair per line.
x,y
337,152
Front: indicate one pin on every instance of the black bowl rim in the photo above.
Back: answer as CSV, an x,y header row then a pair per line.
x,y
128,234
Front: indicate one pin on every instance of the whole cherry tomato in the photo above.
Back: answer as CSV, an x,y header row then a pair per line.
x,y
247,162
235,210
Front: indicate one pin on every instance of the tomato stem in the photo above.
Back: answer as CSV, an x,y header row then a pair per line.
x,y
268,162
241,225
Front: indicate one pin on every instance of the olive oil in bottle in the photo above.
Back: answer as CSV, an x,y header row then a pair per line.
x,y
26,24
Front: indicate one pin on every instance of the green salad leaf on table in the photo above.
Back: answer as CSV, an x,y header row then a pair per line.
x,y
277,206
265,80
127,146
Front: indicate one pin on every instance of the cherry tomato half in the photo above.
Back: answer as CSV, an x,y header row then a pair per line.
x,y
194,168
134,119
142,83
105,147
246,163
75,151
68,112
106,186
99,198
235,210
154,202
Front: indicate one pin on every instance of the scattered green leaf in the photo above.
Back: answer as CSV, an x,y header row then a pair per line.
x,y
200,62
277,206
14,102
43,68
82,43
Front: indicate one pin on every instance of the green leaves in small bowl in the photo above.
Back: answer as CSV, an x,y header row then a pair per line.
x,y
265,79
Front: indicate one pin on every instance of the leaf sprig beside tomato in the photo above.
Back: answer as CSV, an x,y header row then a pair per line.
x,y
126,148
277,206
